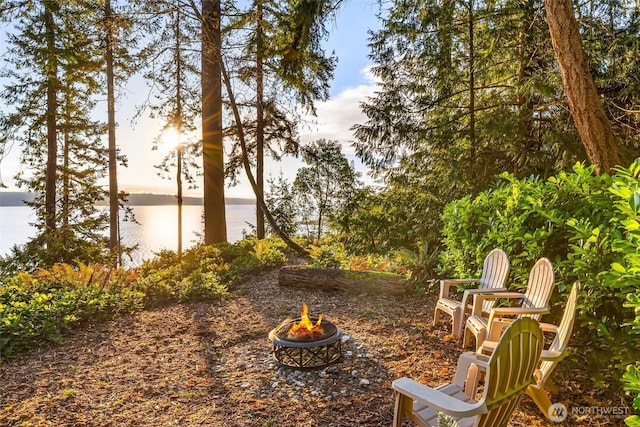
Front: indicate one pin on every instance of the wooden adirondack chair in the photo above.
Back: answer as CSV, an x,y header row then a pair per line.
x,y
550,356
554,354
534,303
509,371
494,275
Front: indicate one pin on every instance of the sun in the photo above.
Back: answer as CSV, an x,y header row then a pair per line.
x,y
170,139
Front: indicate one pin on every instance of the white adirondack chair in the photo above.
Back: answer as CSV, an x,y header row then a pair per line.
x,y
550,356
494,275
533,303
509,371
554,354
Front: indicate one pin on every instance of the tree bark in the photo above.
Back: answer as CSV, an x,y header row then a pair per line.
x,y
215,228
52,108
114,220
587,111
354,282
260,231
178,124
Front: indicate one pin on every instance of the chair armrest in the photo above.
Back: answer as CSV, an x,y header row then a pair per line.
x,y
515,311
445,285
436,399
469,293
552,356
487,346
548,327
490,291
465,360
479,298
499,312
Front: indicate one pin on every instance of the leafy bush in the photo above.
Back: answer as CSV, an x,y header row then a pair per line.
x,y
398,217
40,307
585,224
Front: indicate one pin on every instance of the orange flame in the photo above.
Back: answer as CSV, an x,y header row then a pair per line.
x,y
305,328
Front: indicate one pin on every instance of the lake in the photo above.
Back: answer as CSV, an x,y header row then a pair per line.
x,y
157,228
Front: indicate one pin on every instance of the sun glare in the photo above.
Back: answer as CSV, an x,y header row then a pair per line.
x,y
170,139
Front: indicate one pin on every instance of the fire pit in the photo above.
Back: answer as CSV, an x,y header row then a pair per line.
x,y
306,342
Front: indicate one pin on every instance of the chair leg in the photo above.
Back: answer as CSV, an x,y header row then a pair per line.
x,y
402,409
550,386
480,336
540,398
436,315
467,337
456,328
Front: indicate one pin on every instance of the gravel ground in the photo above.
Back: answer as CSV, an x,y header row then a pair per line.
x,y
210,364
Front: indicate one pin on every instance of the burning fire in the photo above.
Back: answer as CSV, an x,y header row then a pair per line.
x,y
305,328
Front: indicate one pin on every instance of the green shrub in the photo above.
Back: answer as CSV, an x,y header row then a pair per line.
x,y
585,224
328,255
41,307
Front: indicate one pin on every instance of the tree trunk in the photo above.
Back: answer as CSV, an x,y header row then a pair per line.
x,y
178,125
260,234
215,228
472,85
52,107
587,111
114,220
354,282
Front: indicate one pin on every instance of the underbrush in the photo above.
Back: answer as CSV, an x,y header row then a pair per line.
x,y
39,307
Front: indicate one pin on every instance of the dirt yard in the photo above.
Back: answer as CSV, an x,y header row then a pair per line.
x,y
210,364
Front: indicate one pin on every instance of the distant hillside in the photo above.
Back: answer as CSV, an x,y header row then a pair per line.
x,y
16,198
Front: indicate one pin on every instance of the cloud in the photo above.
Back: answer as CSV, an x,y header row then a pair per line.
x,y
336,116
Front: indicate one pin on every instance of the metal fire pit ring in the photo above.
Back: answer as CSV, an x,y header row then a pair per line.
x,y
306,353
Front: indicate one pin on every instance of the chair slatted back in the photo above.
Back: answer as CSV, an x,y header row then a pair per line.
x,y
510,371
495,271
565,328
540,286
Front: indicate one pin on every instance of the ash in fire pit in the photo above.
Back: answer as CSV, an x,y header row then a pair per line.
x,y
306,342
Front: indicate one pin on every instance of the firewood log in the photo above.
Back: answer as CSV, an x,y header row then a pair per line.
x,y
354,282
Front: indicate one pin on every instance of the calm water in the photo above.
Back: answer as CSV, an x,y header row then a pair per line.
x,y
157,228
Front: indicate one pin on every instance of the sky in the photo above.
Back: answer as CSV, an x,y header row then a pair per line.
x,y
351,85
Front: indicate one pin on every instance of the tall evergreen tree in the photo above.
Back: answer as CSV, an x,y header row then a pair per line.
x,y
114,220
212,140
54,60
174,72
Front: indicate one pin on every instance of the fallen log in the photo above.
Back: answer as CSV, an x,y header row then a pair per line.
x,y
354,282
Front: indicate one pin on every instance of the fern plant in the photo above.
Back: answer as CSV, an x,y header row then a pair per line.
x,y
445,420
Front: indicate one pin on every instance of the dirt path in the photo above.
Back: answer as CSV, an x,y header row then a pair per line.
x,y
210,364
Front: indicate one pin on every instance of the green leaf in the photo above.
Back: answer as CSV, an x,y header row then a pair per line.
x,y
634,201
631,378
631,224
633,421
618,267
604,331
